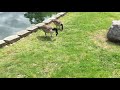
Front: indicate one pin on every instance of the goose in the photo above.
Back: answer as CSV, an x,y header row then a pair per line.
x,y
58,24
49,29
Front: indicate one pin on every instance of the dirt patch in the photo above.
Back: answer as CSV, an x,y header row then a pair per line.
x,y
100,39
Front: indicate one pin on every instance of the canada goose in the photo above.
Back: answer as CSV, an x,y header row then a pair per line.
x,y
49,29
58,24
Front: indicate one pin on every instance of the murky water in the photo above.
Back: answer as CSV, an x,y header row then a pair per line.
x,y
12,22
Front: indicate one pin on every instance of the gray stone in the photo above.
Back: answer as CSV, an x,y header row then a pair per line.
x,y
114,31
57,16
23,33
48,21
32,28
2,43
61,13
11,39
115,22
39,25
52,18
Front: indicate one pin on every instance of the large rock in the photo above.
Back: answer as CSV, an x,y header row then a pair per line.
x,y
114,31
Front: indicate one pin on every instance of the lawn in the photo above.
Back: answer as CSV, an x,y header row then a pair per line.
x,y
81,50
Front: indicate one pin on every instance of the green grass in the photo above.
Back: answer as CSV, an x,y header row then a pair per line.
x,y
80,50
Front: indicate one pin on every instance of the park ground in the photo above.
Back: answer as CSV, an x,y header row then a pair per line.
x,y
81,50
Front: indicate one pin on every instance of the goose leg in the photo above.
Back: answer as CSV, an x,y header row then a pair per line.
x,y
51,34
45,35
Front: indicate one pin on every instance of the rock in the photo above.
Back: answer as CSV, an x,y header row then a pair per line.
x,y
32,29
2,43
39,25
114,31
52,18
11,39
62,13
23,33
57,16
48,21
116,22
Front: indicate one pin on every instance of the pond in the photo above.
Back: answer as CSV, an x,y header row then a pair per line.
x,y
12,22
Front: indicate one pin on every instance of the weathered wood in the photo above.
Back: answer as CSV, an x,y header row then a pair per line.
x,y
11,39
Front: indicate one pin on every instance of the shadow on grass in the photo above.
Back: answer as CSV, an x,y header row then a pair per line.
x,y
113,43
44,38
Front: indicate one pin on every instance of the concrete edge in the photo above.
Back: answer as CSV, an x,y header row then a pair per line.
x,y
14,38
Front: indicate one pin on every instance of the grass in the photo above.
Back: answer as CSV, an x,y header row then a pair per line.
x,y
80,51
